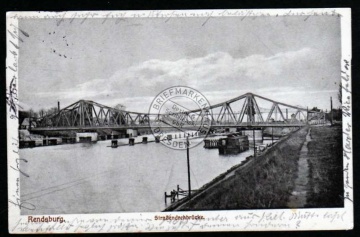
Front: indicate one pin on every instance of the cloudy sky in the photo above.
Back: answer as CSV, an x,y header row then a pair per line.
x,y
130,61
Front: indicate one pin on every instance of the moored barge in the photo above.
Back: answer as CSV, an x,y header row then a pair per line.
x,y
233,144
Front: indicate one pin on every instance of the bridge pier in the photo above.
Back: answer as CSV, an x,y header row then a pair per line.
x,y
114,143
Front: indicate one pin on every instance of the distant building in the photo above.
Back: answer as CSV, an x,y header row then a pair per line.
x,y
26,124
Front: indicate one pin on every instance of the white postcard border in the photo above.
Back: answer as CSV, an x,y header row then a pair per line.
x,y
239,220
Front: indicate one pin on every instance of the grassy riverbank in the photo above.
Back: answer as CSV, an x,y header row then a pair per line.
x,y
326,167
266,182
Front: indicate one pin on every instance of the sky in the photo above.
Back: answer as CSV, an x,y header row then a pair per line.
x,y
129,62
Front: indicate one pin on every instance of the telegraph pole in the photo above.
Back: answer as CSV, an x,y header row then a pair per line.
x,y
254,142
29,119
331,111
307,114
188,164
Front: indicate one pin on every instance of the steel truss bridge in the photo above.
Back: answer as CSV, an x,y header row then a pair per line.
x,y
242,111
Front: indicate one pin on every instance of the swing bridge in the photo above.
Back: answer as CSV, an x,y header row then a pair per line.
x,y
242,111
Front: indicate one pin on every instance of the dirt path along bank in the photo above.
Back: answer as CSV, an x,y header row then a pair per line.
x,y
298,197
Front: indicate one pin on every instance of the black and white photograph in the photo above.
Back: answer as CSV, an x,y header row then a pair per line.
x,y
179,120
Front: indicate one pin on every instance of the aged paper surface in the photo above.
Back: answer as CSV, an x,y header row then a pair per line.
x,y
200,120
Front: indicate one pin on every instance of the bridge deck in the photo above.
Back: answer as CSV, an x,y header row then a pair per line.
x,y
164,126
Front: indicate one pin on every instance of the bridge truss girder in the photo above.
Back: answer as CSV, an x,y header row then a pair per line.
x,y
85,113
90,114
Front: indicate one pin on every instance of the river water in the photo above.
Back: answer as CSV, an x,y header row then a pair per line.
x,y
94,178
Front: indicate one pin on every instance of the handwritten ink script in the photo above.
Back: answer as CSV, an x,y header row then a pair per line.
x,y
246,221
12,98
11,91
15,197
347,126
12,103
345,84
83,16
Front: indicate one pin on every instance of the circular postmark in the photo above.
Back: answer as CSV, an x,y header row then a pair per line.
x,y
179,114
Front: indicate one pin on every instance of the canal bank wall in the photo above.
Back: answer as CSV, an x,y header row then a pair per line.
x,y
265,181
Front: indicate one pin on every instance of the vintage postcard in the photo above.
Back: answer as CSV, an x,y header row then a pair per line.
x,y
167,121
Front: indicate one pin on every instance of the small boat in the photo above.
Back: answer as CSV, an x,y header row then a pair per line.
x,y
233,144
